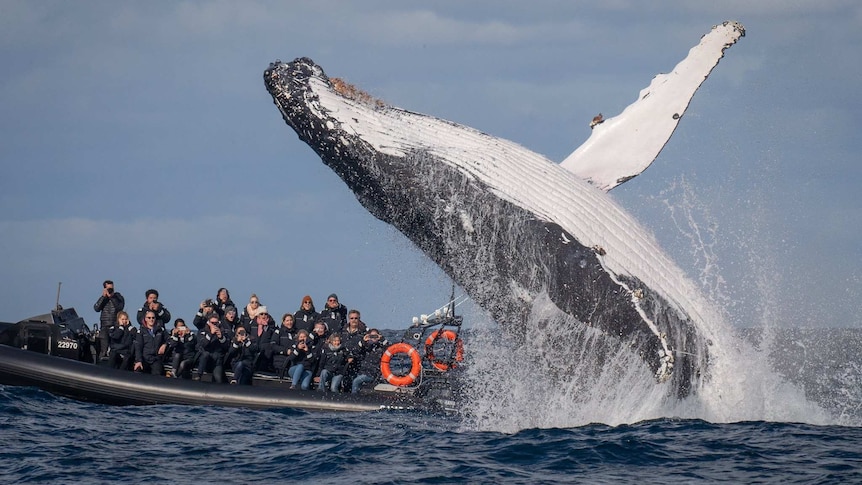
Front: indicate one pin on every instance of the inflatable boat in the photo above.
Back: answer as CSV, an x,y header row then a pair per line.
x,y
55,352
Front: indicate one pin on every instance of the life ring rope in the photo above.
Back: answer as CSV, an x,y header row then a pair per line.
x,y
442,364
415,368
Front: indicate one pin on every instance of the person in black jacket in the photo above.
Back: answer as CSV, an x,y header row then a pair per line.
x,y
334,314
212,347
163,316
260,333
122,342
231,321
243,353
150,346
283,340
331,364
200,321
306,316
223,301
108,305
183,347
302,362
367,357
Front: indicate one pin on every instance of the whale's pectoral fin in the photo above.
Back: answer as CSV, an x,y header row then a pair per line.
x,y
622,147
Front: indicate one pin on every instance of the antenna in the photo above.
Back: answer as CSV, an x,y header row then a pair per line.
x,y
452,301
57,306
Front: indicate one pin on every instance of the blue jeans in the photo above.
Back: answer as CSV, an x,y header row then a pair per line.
x,y
324,379
242,373
359,380
299,377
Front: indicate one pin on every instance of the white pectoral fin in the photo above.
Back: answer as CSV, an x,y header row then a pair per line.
x,y
622,147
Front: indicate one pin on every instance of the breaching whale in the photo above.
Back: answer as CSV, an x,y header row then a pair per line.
x,y
509,225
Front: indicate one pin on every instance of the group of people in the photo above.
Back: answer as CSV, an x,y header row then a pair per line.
x,y
331,350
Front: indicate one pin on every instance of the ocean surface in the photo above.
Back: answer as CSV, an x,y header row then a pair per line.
x,y
46,439
810,435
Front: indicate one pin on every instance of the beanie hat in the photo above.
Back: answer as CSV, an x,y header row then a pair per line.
x,y
333,296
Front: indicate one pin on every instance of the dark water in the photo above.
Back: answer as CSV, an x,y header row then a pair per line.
x,y
48,439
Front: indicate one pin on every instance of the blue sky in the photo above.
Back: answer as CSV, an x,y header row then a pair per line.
x,y
138,143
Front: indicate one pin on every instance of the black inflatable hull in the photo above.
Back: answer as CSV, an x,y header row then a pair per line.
x,y
92,383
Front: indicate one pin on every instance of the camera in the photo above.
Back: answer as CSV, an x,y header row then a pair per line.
x,y
110,291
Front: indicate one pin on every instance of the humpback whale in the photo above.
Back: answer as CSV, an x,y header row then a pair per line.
x,y
509,225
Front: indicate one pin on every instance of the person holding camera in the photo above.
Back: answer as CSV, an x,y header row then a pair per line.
x,y
163,316
109,304
183,346
212,346
207,306
122,337
242,354
302,361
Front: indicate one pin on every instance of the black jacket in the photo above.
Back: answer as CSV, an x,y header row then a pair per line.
x,y
335,318
186,346
109,306
122,338
368,354
246,352
333,360
163,316
147,346
304,320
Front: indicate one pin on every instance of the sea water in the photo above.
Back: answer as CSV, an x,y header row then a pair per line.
x,y
48,439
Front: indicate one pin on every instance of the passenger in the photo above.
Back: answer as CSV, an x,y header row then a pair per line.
x,y
163,316
283,340
334,314
319,335
351,337
354,331
367,359
207,306
109,305
243,353
231,320
306,316
212,345
260,334
122,342
150,346
223,301
302,361
331,364
183,346
249,313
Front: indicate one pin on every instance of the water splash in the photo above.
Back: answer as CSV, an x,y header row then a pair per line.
x,y
563,374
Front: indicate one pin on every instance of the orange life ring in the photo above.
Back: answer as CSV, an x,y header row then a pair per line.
x,y
429,349
415,368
